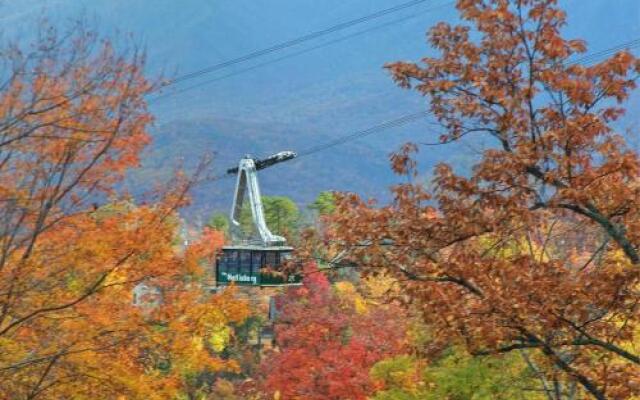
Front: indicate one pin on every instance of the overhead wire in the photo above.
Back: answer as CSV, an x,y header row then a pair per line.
x,y
393,123
295,41
298,53
397,122
407,118
590,58
403,120
585,60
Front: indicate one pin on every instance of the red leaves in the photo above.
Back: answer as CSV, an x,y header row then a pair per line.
x,y
402,162
326,345
538,247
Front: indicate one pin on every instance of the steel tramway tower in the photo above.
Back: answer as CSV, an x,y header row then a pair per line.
x,y
261,260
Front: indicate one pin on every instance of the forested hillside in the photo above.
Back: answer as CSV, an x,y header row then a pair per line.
x,y
298,102
461,220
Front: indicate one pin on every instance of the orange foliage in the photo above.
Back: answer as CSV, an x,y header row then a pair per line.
x,y
73,120
538,248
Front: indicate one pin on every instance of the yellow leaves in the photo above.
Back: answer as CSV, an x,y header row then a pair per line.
x,y
360,305
14,350
377,288
116,277
74,284
345,288
198,343
493,246
125,244
399,373
348,292
219,337
616,261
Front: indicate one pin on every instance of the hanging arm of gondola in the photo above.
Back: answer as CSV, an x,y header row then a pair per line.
x,y
267,162
247,185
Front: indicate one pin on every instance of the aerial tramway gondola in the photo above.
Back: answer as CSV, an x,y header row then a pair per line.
x,y
261,260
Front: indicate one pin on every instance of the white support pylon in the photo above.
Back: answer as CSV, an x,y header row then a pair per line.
x,y
247,184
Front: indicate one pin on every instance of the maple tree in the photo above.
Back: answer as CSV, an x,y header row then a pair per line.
x,y
73,120
456,376
537,248
328,337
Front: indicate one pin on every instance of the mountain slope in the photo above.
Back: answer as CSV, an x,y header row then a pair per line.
x,y
297,102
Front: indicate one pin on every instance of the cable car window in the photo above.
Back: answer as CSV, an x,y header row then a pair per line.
x,y
245,257
257,260
270,259
231,257
229,262
245,262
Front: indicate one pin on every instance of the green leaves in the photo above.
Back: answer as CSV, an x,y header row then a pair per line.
x,y
281,215
324,204
455,376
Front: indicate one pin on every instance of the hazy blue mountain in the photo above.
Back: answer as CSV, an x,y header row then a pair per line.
x,y
297,102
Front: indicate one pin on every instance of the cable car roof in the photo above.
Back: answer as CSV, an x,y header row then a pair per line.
x,y
256,247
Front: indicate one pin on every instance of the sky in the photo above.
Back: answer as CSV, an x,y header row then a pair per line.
x,y
187,35
303,95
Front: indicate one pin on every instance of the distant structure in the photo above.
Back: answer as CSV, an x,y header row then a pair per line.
x,y
258,261
146,296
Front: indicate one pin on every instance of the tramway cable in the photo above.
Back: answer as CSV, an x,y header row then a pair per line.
x,y
418,115
295,54
407,118
296,41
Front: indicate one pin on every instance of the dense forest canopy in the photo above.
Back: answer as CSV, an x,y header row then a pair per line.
x,y
517,278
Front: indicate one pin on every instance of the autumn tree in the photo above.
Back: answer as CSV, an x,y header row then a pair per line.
x,y
324,204
219,222
73,120
456,375
537,249
328,337
280,212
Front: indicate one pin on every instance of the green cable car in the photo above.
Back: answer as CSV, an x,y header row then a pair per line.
x,y
262,261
